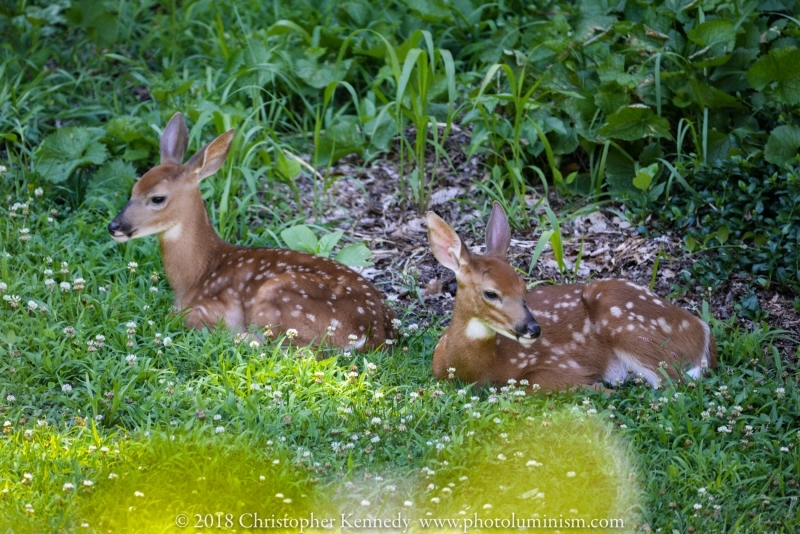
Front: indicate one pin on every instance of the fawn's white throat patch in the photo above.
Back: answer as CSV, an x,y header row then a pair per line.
x,y
477,329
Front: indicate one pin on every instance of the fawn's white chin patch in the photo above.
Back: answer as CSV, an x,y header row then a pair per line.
x,y
121,238
526,341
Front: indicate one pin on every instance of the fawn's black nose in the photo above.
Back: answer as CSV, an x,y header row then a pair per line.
x,y
528,328
533,329
113,227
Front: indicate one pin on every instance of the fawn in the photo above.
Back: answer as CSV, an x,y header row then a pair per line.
x,y
282,289
556,336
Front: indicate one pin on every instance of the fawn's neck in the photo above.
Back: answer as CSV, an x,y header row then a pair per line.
x,y
470,346
190,249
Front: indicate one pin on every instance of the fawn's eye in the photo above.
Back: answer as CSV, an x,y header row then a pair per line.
x,y
491,295
158,200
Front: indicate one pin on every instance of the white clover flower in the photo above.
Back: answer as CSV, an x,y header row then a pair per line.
x,y
131,359
153,289
38,192
254,344
3,170
725,429
396,323
112,476
291,333
138,494
697,506
501,457
376,439
78,284
32,306
88,483
3,287
219,430
217,417
66,388
50,283
365,503
476,415
780,392
570,474
132,266
64,286
533,463
408,504
68,486
10,398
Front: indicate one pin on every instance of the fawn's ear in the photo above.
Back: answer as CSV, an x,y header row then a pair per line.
x,y
445,244
210,158
498,232
174,141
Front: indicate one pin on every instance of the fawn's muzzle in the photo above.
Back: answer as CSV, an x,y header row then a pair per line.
x,y
119,229
529,328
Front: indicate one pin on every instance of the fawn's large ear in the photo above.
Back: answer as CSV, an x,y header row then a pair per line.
x,y
210,158
445,244
174,140
498,232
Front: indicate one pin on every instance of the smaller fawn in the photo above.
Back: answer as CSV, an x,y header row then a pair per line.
x,y
283,289
556,336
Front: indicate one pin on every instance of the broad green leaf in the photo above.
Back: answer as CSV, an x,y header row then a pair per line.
x,y
328,241
718,36
113,182
66,150
319,76
287,167
429,10
783,145
778,75
644,176
341,138
633,123
300,238
94,17
722,234
691,243
358,255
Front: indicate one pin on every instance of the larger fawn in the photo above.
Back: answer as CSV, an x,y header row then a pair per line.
x,y
557,336
319,298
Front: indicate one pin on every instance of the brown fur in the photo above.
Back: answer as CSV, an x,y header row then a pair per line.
x,y
244,286
601,330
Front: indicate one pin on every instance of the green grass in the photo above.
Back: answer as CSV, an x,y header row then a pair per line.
x,y
193,423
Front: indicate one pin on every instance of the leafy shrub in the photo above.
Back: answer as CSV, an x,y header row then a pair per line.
x,y
744,218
